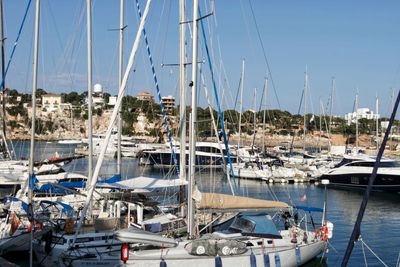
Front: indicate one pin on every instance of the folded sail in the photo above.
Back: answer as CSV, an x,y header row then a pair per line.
x,y
222,201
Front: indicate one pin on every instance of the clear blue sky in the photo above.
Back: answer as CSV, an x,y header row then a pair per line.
x,y
357,42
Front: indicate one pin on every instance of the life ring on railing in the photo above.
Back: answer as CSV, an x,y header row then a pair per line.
x,y
324,232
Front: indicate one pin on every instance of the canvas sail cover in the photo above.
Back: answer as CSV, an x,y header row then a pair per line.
x,y
222,201
143,182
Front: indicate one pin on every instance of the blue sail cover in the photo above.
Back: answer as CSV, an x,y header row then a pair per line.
x,y
53,189
24,206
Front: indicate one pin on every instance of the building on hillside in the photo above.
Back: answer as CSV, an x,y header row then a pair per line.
x,y
51,102
168,102
112,100
145,96
361,113
97,97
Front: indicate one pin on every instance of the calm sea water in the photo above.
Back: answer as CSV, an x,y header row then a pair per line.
x,y
380,228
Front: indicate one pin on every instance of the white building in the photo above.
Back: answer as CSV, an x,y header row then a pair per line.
x,y
97,97
361,113
51,102
168,102
145,96
112,100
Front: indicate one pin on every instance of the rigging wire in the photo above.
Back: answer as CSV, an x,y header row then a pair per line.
x,y
217,100
357,226
298,112
373,253
264,54
16,43
158,92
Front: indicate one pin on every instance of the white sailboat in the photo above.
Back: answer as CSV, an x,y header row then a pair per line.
x,y
239,241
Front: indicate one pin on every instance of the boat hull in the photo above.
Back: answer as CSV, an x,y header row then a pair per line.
x,y
165,160
284,257
383,182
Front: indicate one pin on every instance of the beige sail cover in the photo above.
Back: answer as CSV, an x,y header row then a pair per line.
x,y
222,201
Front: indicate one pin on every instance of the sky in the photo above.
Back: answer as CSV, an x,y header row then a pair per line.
x,y
356,42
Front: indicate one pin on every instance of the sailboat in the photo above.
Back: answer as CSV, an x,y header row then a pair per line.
x,y
241,240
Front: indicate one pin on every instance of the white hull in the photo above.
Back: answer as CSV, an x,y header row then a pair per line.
x,y
285,255
241,171
178,257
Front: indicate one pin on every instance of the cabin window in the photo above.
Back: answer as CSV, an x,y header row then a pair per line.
x,y
243,225
355,180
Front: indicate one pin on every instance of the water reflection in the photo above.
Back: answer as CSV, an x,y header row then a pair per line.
x,y
380,228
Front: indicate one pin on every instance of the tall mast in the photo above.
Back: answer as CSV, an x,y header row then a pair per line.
x,y
320,124
33,124
377,122
182,80
3,87
120,66
391,130
305,107
330,111
265,107
89,87
241,103
182,103
193,117
357,120
254,119
113,120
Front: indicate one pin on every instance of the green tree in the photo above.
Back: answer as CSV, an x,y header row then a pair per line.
x,y
40,92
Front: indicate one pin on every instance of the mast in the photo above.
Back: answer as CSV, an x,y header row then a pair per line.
x,y
241,103
182,80
264,111
330,111
357,120
254,118
120,66
113,119
182,103
33,124
357,225
320,124
391,131
89,88
193,121
305,107
377,122
3,86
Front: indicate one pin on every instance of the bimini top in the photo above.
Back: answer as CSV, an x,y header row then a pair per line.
x,y
222,201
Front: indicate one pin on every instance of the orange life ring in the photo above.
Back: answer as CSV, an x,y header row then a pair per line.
x,y
324,233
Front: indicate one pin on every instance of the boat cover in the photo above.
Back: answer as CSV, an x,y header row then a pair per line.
x,y
143,182
222,201
213,247
132,235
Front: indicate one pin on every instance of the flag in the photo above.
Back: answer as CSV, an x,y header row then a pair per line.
x,y
303,198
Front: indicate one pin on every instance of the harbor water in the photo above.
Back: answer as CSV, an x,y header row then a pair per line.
x,y
380,229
